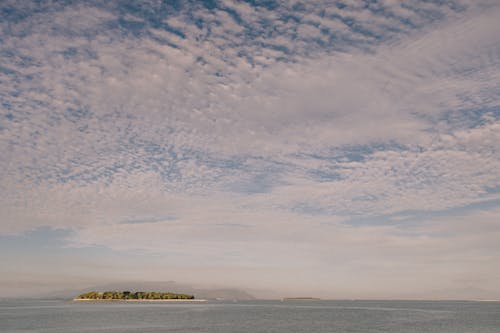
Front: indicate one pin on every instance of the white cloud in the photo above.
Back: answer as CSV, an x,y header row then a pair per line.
x,y
243,145
155,94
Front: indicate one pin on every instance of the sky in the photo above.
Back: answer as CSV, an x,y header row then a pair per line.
x,y
337,149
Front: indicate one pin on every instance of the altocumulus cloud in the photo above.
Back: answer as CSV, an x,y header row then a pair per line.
x,y
239,139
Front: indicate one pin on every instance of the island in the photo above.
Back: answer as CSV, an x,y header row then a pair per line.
x,y
134,296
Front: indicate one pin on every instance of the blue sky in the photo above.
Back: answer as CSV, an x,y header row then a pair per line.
x,y
338,148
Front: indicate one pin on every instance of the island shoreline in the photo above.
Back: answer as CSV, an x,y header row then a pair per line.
x,y
137,300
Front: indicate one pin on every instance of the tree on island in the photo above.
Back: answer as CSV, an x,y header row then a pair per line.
x,y
139,295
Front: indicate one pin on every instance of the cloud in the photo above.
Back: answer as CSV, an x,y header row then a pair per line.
x,y
425,259
144,104
239,127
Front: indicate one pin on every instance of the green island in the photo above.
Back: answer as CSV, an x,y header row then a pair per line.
x,y
127,295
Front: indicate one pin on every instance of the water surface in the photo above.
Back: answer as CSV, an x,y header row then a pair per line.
x,y
255,316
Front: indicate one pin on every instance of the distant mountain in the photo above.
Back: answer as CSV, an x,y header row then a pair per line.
x,y
169,286
226,294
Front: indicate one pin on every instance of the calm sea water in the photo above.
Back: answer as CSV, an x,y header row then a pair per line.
x,y
255,316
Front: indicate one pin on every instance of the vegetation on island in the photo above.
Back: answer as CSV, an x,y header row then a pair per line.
x,y
127,295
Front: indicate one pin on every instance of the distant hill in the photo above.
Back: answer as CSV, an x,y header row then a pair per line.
x,y
169,286
227,294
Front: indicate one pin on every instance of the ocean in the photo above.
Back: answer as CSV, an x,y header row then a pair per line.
x,y
250,316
